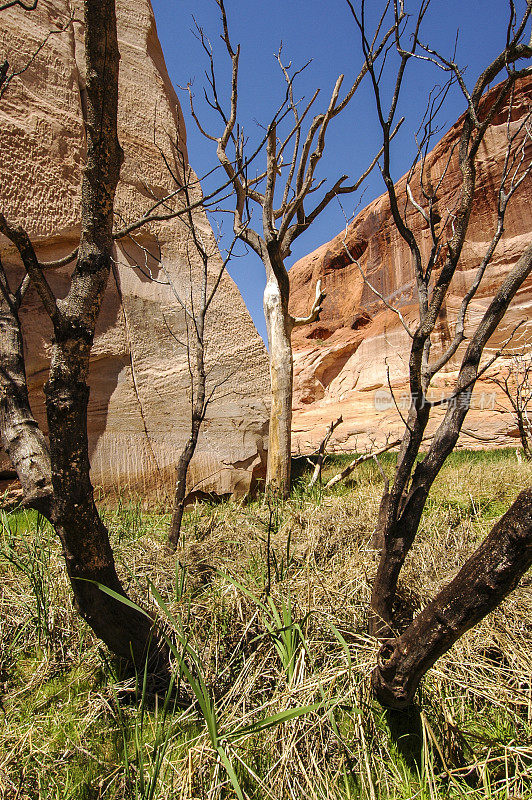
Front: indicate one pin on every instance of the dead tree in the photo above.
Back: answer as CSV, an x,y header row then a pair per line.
x,y
403,502
516,383
194,302
490,574
280,193
321,452
195,309
56,479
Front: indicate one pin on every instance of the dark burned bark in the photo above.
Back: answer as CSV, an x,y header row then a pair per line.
x,y
402,521
26,6
70,505
85,540
88,554
392,535
486,578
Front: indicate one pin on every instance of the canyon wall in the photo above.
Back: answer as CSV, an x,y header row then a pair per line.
x,y
139,408
344,362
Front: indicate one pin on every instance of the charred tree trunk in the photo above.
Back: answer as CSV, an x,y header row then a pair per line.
x,y
87,551
486,578
402,513
391,534
85,540
57,481
70,504
279,327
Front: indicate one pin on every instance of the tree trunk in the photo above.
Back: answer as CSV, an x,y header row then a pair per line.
x,y
180,494
403,507
391,533
278,325
69,504
524,435
198,380
88,554
486,578
21,437
181,482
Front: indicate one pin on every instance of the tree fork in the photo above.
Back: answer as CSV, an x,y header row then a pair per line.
x,y
401,520
395,537
491,573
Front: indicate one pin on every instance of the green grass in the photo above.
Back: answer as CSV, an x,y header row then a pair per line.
x,y
275,688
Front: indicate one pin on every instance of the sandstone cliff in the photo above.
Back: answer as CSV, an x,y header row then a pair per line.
x,y
341,362
139,411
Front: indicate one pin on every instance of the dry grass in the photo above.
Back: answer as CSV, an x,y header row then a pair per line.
x,y
66,733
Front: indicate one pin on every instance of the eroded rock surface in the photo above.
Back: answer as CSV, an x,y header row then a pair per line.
x,y
341,363
139,408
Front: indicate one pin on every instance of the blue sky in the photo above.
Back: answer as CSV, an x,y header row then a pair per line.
x,y
324,32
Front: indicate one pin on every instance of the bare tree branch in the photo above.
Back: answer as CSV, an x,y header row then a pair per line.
x,y
22,242
516,382
314,311
341,476
316,475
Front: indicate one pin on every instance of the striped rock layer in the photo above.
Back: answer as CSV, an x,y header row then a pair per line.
x,y
139,412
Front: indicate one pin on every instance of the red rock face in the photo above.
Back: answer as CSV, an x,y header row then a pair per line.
x,y
343,362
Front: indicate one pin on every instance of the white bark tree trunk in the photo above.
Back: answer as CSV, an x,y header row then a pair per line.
x,y
279,327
